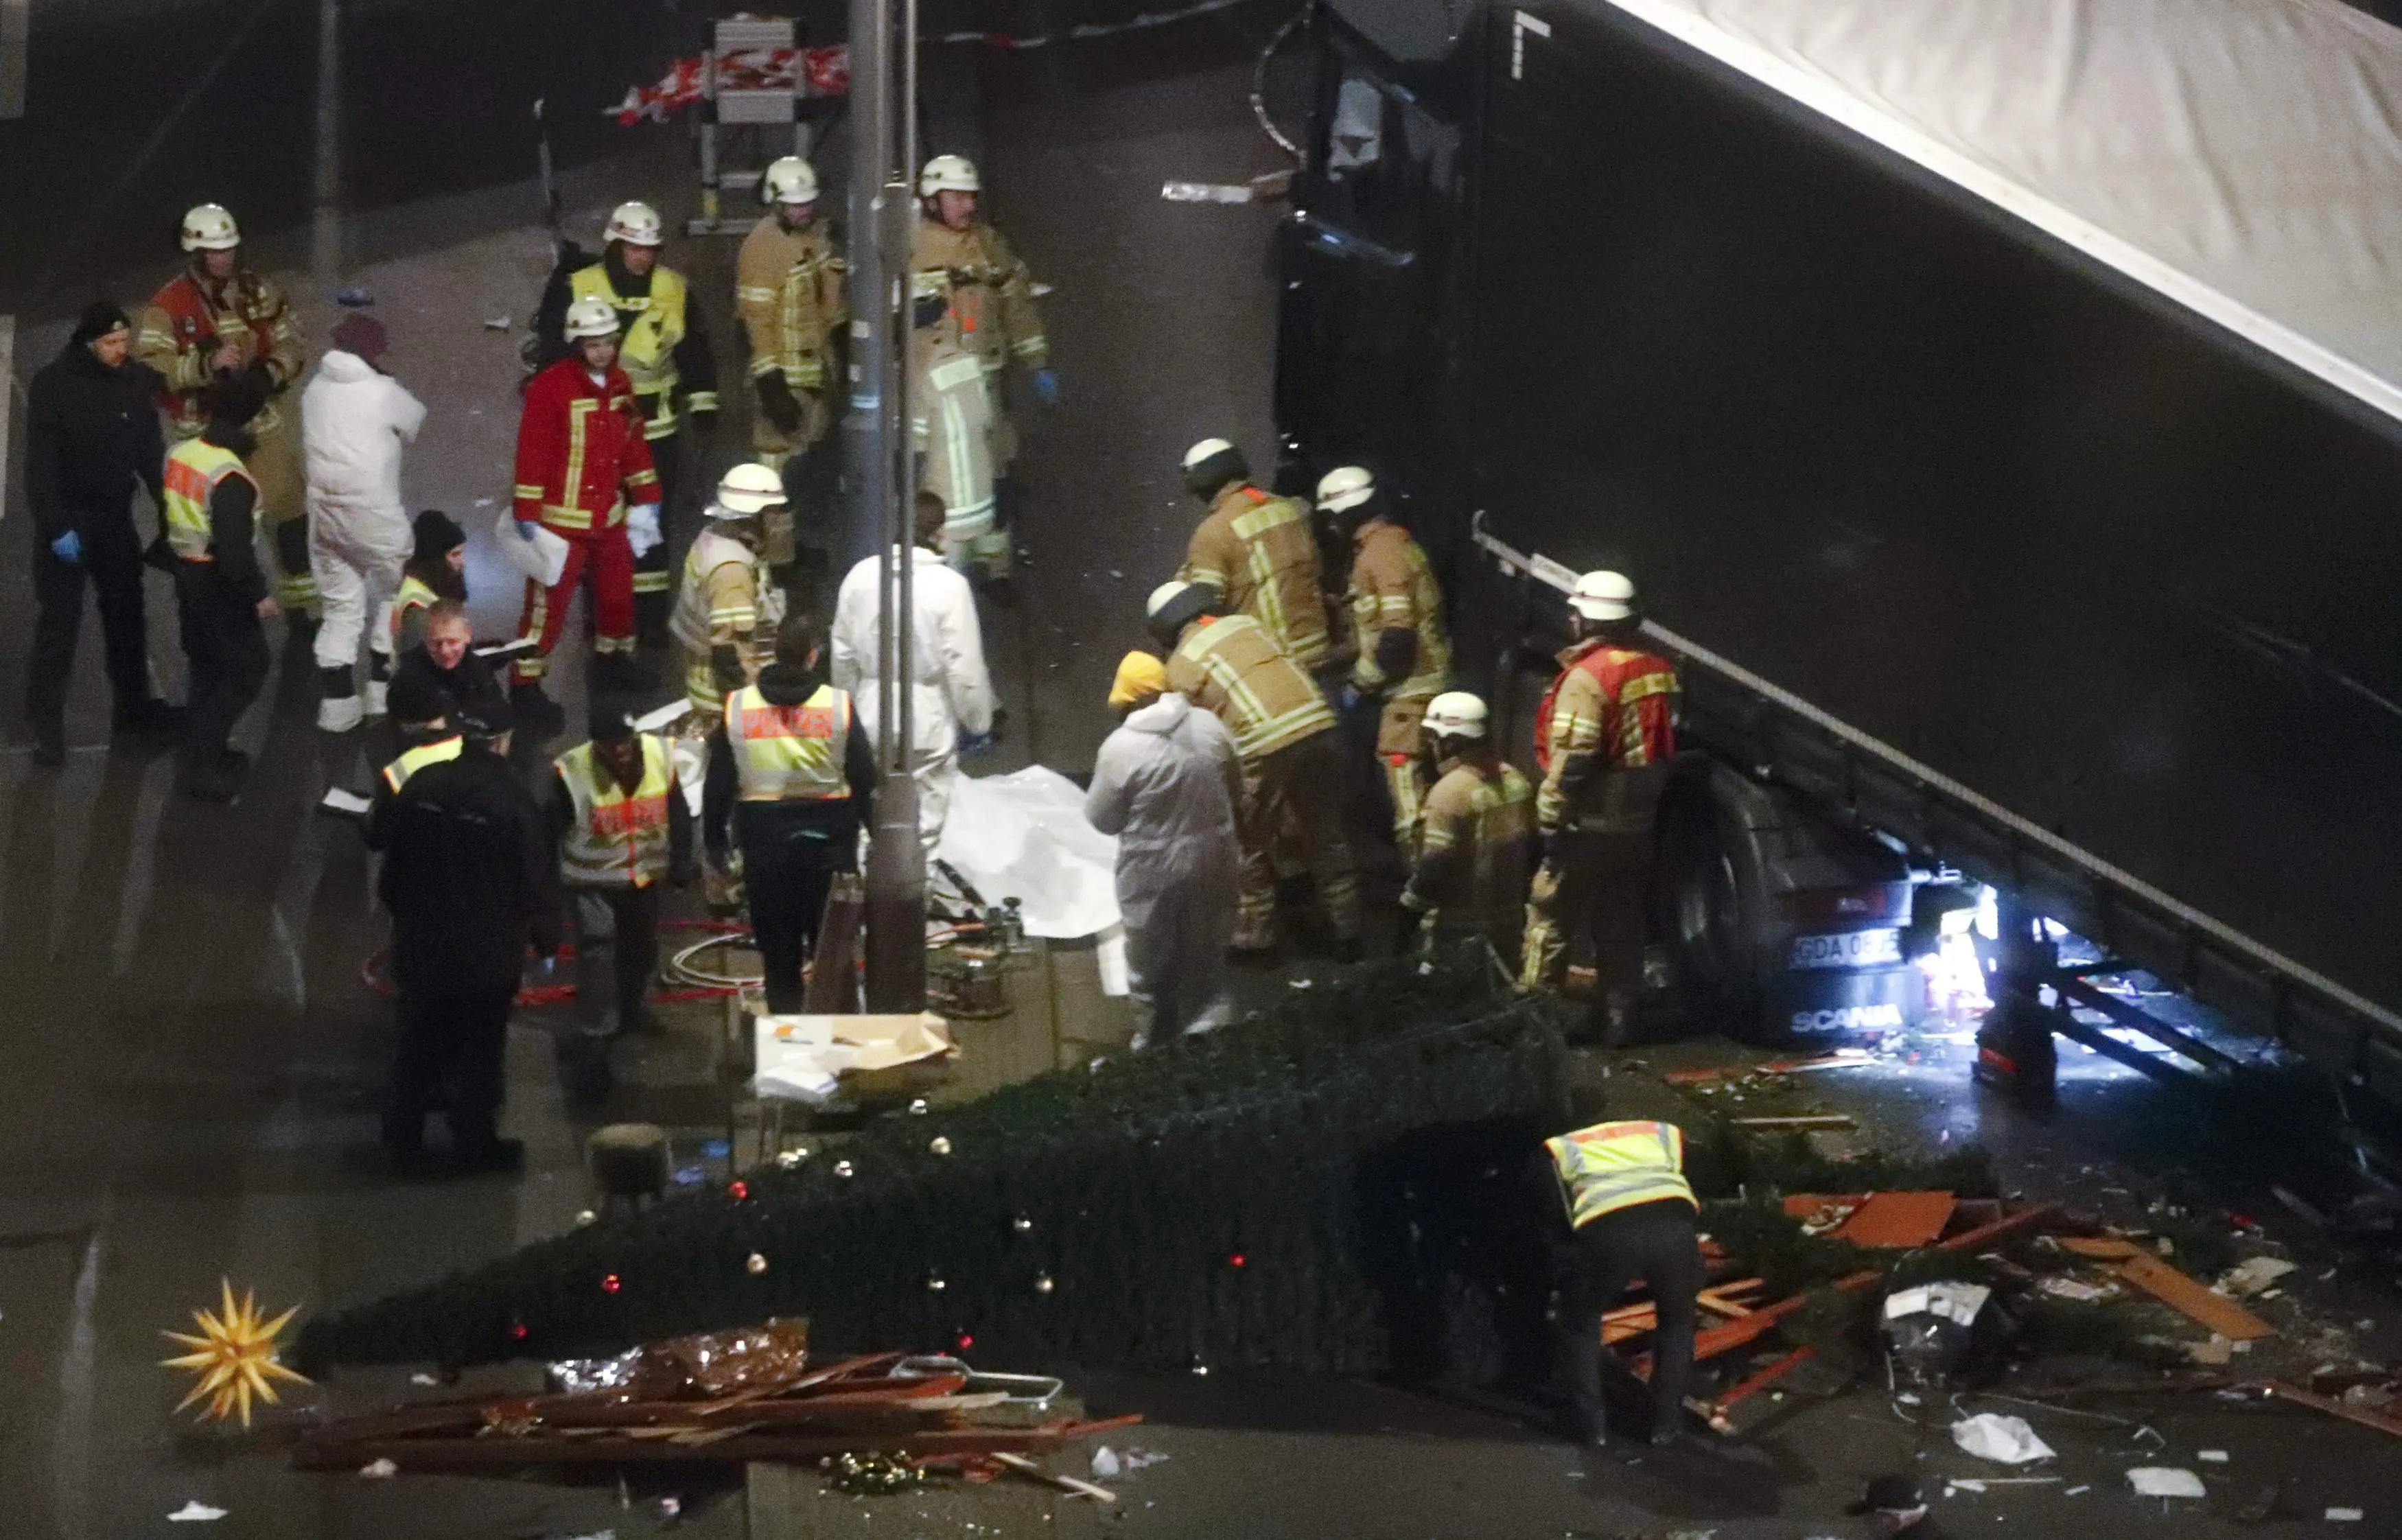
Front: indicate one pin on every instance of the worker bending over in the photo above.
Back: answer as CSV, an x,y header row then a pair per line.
x,y
728,605
1166,784
1621,1210
792,781
1603,739
622,830
1258,551
1476,845
1284,734
1401,652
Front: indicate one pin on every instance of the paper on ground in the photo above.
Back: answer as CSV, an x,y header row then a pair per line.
x,y
802,1058
2164,1481
1023,837
2006,1440
195,1512
1952,1301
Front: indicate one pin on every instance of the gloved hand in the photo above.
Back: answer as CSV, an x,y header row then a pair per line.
x,y
526,528
68,547
642,527
778,402
976,745
1348,697
1046,386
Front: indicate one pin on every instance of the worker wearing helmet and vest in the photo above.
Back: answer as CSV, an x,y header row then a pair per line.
x,y
426,719
622,830
978,301
790,782
727,605
1259,551
584,473
788,288
663,348
1619,1209
1476,843
1401,654
1284,734
219,318
1603,739
207,522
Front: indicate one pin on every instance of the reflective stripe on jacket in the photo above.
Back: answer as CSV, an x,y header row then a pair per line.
x,y
1233,669
1260,554
617,839
654,324
194,468
1610,1166
789,753
396,773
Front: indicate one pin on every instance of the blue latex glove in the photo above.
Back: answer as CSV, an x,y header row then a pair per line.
x,y
526,528
976,745
68,547
1046,386
1350,697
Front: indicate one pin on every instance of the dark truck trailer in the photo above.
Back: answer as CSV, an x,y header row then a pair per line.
x,y
1996,404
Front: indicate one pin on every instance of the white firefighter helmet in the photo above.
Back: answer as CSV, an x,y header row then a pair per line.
x,y
591,316
210,227
1344,488
1456,714
1204,449
745,490
1161,595
1603,596
788,178
948,173
636,224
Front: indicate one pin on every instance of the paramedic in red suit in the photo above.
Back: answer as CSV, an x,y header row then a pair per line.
x,y
584,473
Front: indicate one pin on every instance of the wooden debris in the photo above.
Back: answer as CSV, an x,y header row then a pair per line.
x,y
2279,1390
2103,1248
1880,1219
1815,1120
2180,1293
1024,1467
1745,1390
1782,1066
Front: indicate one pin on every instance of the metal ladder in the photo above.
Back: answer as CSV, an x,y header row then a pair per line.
x,y
725,106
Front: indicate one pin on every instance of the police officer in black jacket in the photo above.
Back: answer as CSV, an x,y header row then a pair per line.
x,y
470,881
92,426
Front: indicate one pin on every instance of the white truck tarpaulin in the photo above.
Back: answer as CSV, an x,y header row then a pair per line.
x,y
1023,837
2243,157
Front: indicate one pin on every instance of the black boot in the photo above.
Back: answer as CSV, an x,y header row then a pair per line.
x,y
1578,1343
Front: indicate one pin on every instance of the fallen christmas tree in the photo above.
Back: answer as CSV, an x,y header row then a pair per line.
x,y
1331,1186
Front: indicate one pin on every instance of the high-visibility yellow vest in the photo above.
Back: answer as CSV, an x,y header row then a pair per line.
x,y
789,753
618,839
654,324
1610,1166
194,468
396,773
413,594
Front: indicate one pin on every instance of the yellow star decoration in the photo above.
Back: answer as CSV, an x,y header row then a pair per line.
x,y
236,1359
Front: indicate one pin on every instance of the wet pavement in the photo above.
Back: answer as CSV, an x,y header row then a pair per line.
x,y
191,1055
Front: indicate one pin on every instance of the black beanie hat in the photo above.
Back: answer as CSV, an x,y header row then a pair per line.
x,y
437,535
100,318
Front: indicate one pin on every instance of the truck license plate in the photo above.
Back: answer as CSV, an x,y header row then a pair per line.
x,y
1851,949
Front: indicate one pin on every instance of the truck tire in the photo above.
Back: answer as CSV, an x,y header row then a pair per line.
x,y
1713,907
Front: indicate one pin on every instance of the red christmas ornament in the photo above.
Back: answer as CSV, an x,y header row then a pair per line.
x,y
517,1330
966,1339
1235,1259
737,1190
611,1284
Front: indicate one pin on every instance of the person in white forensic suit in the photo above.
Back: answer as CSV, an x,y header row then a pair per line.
x,y
1166,784
354,421
951,692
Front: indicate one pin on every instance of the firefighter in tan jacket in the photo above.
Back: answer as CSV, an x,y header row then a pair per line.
x,y
727,608
1284,734
1257,550
1476,847
973,299
219,318
1401,655
788,289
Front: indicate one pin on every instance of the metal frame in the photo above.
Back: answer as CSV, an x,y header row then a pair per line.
x,y
1752,722
722,107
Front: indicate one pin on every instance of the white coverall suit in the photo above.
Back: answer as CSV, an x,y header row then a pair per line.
x,y
353,422
952,691
1166,784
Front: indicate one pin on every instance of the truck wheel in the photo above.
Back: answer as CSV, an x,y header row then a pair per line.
x,y
1713,906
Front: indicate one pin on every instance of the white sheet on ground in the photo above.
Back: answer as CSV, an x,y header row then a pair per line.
x,y
2244,160
1023,835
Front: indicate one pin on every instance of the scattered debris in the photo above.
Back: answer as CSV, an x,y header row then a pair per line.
x,y
2060,1287
2279,1390
2211,1456
2180,1293
1886,1221
2255,1277
1802,1120
2004,1440
1979,1483
2165,1481
496,323
354,297
2343,1516
1024,1467
195,1512
379,1470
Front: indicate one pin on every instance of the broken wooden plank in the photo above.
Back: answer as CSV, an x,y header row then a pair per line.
x,y
1900,1220
2107,1248
1025,1467
1781,1066
2279,1390
1745,1389
2180,1293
